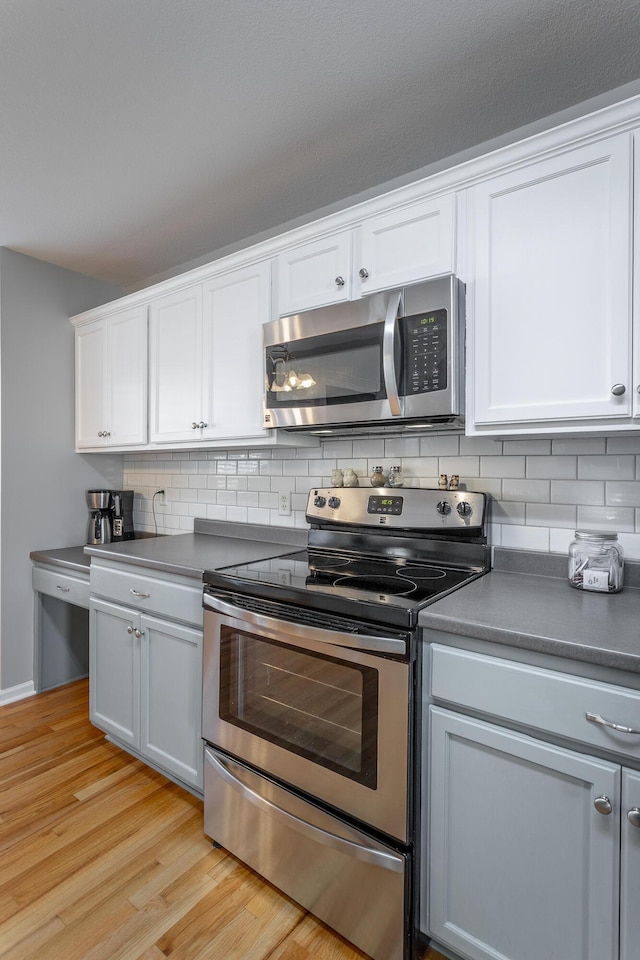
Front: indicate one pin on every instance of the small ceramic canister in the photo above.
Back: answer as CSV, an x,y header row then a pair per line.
x,y
337,478
350,478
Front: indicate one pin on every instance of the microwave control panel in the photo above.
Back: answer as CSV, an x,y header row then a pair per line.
x,y
424,352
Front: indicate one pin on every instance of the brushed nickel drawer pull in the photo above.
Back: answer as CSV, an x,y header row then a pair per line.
x,y
63,589
140,596
596,718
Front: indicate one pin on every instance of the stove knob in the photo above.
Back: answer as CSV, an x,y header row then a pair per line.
x,y
319,501
334,502
443,508
464,508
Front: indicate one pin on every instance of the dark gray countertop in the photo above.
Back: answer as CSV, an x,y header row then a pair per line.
x,y
212,545
546,615
73,558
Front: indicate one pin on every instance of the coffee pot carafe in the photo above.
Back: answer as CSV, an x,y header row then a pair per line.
x,y
100,529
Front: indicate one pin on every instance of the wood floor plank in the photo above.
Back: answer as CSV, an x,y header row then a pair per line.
x,y
102,858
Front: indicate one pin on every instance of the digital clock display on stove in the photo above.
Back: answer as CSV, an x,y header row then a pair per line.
x,y
392,505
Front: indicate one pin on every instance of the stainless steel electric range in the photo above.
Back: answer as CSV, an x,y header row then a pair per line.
x,y
311,673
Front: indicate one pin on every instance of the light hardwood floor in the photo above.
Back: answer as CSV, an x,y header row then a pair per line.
x,y
102,858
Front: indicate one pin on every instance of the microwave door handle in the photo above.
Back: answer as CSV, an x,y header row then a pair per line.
x,y
388,352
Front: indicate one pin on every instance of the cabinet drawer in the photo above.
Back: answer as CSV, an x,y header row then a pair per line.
x,y
70,589
170,598
544,699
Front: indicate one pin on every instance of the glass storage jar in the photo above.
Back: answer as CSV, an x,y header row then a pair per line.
x,y
596,561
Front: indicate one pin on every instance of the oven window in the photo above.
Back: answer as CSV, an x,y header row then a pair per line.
x,y
343,367
318,707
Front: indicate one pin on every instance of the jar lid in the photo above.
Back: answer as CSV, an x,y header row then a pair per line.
x,y
596,535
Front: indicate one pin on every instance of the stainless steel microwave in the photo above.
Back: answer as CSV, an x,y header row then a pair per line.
x,y
390,362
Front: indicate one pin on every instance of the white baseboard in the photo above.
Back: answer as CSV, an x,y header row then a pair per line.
x,y
19,692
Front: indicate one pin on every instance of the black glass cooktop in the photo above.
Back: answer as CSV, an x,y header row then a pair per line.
x,y
382,580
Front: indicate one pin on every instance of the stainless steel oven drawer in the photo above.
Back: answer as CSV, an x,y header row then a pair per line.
x,y
353,883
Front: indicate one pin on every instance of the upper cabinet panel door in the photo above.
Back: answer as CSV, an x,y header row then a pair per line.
x,y
551,326
175,366
90,340
406,245
315,274
126,386
235,307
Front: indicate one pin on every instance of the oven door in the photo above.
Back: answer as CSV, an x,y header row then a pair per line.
x,y
324,711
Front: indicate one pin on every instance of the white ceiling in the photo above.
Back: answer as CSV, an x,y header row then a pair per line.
x,y
137,135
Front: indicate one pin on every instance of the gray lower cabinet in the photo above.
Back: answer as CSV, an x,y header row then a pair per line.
x,y
530,848
522,865
145,686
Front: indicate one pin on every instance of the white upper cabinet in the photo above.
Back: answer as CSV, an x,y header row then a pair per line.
x,y
111,381
550,324
236,305
205,353
407,244
175,367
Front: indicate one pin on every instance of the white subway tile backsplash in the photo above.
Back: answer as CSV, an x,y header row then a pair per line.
x,y
542,489
630,543
613,467
462,466
439,446
505,467
525,538
559,540
530,448
551,515
606,518
365,448
528,491
583,445
623,493
552,468
502,512
478,446
590,492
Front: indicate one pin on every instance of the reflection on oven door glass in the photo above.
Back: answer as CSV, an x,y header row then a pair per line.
x,y
318,707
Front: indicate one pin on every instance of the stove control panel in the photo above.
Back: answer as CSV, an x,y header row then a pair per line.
x,y
410,508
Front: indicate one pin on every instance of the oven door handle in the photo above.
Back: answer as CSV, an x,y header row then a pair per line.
x,y
388,352
388,861
352,641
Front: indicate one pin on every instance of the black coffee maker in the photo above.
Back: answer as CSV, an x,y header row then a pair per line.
x,y
110,516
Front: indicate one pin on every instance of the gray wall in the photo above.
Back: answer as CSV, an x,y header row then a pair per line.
x,y
42,480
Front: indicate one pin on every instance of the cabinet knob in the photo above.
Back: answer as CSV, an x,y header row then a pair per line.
x,y
129,629
101,433
603,805
339,281
194,425
633,816
138,633
618,389
202,424
363,273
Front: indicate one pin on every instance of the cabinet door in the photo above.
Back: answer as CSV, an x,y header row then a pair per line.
x,y
315,274
126,386
172,698
235,307
630,867
405,246
522,866
551,331
90,345
175,366
114,671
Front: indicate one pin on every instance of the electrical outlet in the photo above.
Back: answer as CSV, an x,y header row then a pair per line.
x,y
284,503
162,497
